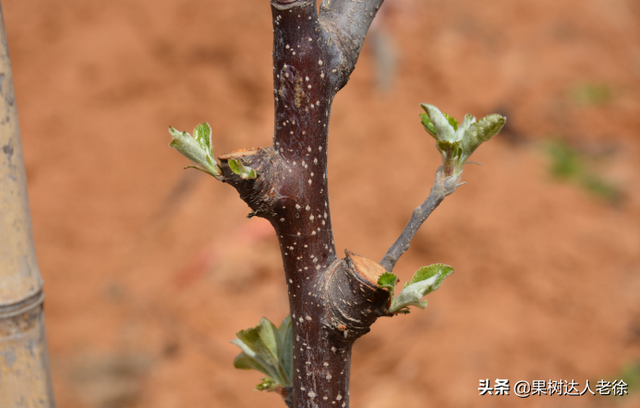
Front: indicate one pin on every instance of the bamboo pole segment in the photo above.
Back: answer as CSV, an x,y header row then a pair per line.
x,y
24,363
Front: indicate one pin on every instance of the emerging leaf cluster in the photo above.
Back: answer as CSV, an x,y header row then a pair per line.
x,y
424,281
268,349
457,141
199,149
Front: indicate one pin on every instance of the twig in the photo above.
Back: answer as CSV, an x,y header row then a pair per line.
x,y
438,192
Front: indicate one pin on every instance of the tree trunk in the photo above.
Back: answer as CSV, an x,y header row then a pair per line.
x,y
24,364
332,301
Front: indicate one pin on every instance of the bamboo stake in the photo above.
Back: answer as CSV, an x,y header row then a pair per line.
x,y
25,380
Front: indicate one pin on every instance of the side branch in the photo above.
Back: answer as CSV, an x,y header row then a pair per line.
x,y
455,142
345,24
441,188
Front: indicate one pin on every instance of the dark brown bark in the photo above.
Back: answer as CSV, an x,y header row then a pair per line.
x,y
332,301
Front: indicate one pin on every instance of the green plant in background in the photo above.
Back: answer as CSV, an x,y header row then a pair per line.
x,y
593,94
631,374
623,386
333,301
568,164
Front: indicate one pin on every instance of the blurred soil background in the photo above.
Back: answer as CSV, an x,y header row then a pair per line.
x,y
150,270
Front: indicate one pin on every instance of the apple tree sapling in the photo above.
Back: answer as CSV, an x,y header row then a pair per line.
x,y
333,301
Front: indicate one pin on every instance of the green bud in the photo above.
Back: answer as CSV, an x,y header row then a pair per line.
x,y
267,384
202,135
246,172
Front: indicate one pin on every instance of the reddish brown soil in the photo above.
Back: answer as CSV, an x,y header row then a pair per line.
x,y
150,270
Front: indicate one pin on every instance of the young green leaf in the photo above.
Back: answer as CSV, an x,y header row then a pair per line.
x,y
202,135
452,121
448,148
481,131
469,119
444,130
428,125
268,349
249,361
427,272
425,280
388,281
187,146
198,149
285,347
262,341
